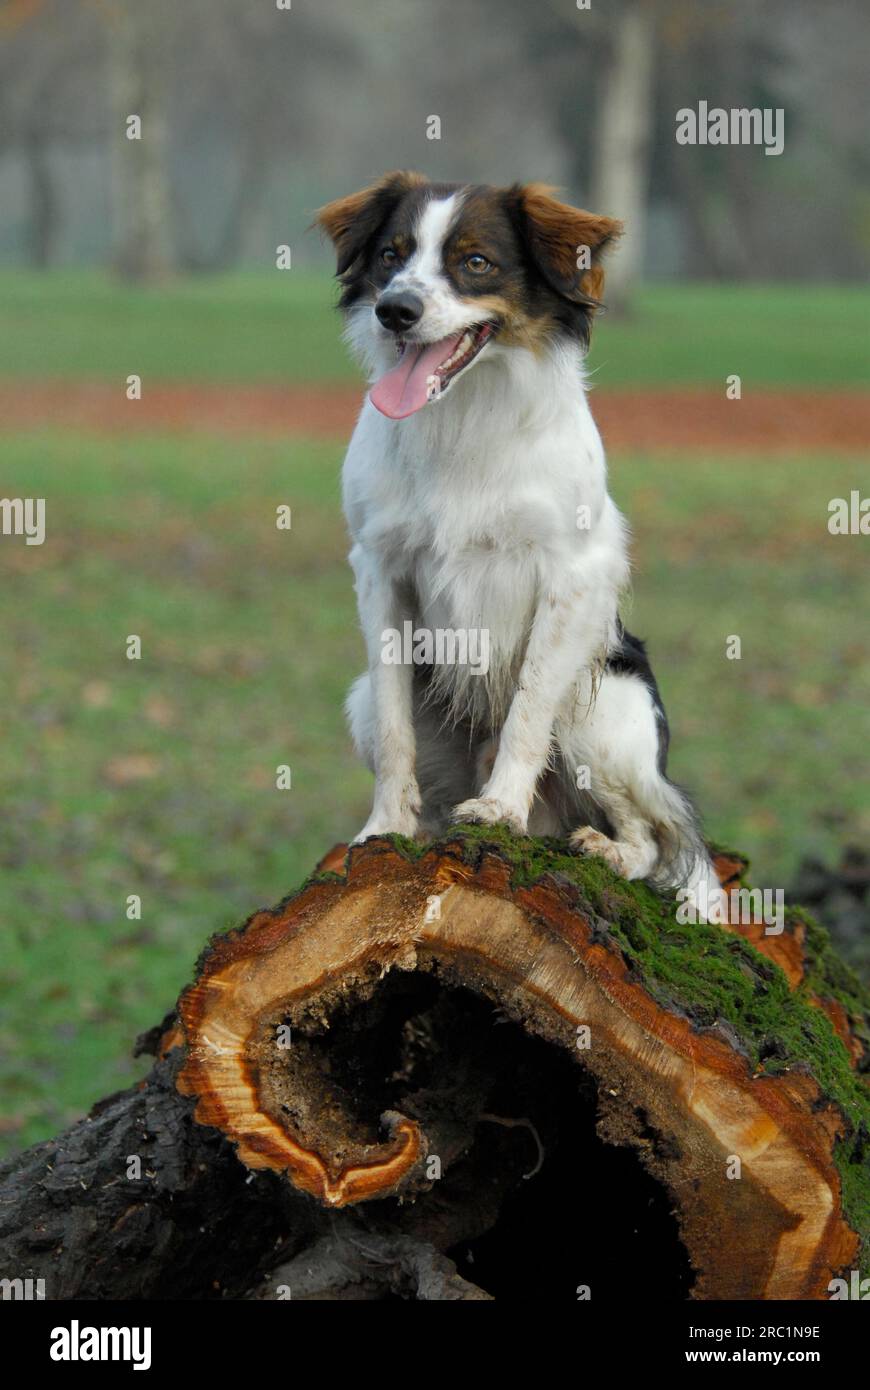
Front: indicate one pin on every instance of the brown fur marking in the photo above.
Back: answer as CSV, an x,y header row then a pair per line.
x,y
557,230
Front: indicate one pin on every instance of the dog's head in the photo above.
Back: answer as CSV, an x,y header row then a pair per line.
x,y
440,274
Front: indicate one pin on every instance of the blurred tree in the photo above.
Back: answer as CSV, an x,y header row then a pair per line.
x,y
272,69
139,44
45,53
620,180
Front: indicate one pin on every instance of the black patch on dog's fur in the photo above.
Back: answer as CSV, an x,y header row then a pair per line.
x,y
630,659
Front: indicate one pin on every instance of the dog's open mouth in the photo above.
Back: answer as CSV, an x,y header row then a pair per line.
x,y
425,370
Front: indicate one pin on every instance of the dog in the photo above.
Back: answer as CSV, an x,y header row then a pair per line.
x,y
475,493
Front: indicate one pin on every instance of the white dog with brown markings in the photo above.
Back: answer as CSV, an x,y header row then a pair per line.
x,y
475,490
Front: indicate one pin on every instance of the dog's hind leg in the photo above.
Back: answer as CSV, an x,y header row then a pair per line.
x,y
651,830
631,850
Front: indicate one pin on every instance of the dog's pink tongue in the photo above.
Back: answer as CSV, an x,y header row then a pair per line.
x,y
402,390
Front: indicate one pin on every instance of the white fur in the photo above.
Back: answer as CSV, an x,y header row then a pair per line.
x,y
464,515
445,313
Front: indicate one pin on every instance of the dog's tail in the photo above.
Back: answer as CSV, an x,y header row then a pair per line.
x,y
684,862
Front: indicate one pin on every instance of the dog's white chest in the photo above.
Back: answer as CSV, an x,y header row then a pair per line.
x,y
471,512
479,586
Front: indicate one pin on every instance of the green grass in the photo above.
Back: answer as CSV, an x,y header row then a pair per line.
x,y
249,641
274,328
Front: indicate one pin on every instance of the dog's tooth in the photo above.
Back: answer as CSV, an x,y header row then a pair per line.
x,y
462,354
459,351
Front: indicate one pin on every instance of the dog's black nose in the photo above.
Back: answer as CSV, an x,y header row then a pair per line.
x,y
400,311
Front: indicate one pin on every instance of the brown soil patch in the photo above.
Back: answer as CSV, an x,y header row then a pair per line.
x,y
764,421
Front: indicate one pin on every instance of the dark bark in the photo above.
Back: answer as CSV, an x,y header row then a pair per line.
x,y
195,1224
356,1265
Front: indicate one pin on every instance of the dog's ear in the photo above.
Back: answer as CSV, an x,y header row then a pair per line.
x,y
351,222
565,243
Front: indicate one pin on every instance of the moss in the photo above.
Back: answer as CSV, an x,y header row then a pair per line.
x,y
728,853
829,977
320,876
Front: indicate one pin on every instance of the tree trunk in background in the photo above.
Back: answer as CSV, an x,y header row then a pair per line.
x,y
140,174
43,200
621,166
710,253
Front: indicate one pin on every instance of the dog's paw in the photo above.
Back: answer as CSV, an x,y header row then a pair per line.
x,y
399,818
588,840
396,811
486,810
405,823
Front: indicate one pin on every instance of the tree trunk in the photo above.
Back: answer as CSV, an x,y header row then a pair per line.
x,y
43,200
623,129
483,1069
138,52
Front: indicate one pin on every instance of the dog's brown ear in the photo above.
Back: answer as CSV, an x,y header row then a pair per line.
x,y
351,222
566,243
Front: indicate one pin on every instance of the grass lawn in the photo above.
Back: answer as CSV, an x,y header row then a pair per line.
x,y
157,777
276,327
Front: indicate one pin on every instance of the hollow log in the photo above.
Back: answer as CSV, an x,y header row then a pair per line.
x,y
434,1069
349,1040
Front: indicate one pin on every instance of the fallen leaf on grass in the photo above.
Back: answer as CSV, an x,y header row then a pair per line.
x,y
159,711
96,694
131,767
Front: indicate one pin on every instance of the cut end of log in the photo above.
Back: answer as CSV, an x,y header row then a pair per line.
x,y
431,1025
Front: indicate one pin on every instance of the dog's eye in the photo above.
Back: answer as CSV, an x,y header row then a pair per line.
x,y
477,264
389,257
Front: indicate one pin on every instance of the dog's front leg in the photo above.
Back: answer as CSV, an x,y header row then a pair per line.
x,y
567,635
383,607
